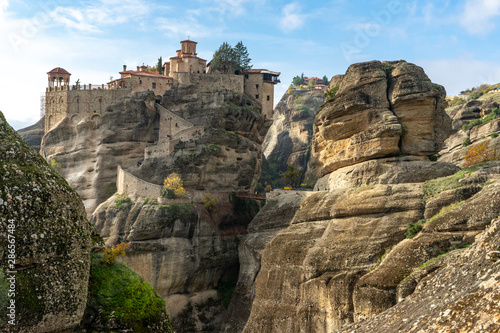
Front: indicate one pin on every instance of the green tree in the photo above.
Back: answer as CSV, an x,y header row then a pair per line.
x,y
292,175
296,81
311,84
224,59
242,56
159,66
325,80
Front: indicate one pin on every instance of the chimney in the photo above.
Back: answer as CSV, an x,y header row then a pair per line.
x,y
124,68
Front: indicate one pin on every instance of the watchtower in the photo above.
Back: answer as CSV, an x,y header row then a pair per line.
x,y
58,79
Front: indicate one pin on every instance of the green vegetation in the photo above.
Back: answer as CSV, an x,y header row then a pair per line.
x,y
209,203
430,261
159,66
325,80
292,175
435,186
122,202
404,130
494,135
229,60
414,228
433,158
331,92
387,68
298,80
148,201
466,141
495,113
177,211
173,187
110,190
119,294
382,257
455,101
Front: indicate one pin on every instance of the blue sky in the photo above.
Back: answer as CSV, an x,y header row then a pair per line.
x,y
456,42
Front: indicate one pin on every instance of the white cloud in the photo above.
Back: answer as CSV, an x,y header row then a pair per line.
x,y
102,13
292,18
478,16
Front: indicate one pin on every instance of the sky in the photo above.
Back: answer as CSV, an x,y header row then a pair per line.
x,y
457,43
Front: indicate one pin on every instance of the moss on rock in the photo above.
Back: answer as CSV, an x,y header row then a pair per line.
x,y
52,238
119,299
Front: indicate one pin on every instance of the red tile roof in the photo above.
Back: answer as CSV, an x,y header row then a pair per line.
x,y
59,70
261,71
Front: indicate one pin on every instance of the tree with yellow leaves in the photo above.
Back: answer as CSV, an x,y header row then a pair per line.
x,y
173,186
479,153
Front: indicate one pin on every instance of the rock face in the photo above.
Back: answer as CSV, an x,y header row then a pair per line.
x,y
380,110
187,254
354,247
32,135
460,294
225,155
87,153
288,139
276,215
324,271
456,147
52,240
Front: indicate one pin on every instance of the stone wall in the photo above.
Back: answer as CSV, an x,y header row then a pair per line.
x,y
211,81
158,85
77,104
128,184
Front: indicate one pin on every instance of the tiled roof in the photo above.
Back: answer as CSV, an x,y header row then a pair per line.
x,y
59,70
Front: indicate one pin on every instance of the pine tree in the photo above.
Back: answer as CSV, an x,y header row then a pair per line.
x,y
242,56
224,59
325,80
159,66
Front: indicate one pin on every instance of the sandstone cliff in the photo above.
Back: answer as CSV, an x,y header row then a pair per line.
x,y
87,153
350,251
44,219
380,110
190,256
288,139
474,123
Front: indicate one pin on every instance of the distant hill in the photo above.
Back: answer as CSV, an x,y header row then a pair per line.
x,y
32,135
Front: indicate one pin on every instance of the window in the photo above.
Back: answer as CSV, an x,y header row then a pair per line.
x,y
256,96
140,81
257,86
154,85
268,97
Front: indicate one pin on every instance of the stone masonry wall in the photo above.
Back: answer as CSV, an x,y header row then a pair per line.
x,y
211,81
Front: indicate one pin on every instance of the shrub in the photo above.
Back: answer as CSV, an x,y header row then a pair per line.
x,y
209,203
433,158
494,135
466,141
414,228
435,186
122,202
110,190
148,201
173,187
478,153
387,68
404,130
110,253
330,93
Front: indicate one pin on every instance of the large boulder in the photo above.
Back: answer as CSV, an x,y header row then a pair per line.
x,y
381,109
43,224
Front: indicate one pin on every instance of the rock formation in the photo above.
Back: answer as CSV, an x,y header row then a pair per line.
x,y
32,135
186,253
380,110
43,217
348,254
463,138
288,139
88,152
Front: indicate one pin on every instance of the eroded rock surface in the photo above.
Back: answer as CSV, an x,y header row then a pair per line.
x,y
87,153
52,240
380,110
288,140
